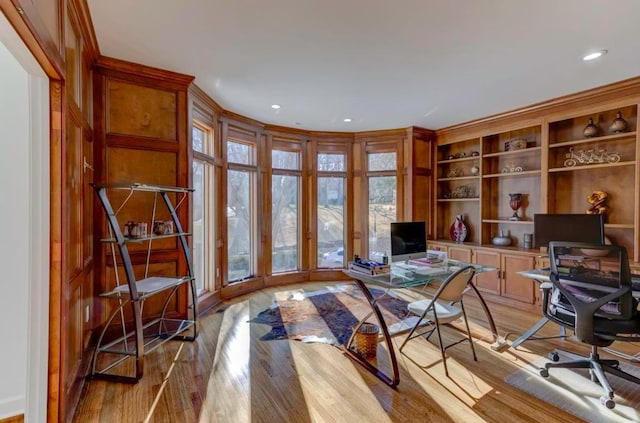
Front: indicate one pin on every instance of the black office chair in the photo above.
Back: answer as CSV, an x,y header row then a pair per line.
x,y
590,293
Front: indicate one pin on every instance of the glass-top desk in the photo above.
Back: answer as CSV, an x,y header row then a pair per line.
x,y
400,278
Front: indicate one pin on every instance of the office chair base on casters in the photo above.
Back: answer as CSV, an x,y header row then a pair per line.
x,y
597,369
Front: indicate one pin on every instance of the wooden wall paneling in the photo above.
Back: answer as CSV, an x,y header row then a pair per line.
x,y
57,269
141,111
636,213
141,134
311,215
223,225
265,215
360,244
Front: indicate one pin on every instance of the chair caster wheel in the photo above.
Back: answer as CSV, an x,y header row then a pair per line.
x,y
607,402
554,356
544,372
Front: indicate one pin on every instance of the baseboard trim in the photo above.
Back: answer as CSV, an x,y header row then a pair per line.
x,y
10,407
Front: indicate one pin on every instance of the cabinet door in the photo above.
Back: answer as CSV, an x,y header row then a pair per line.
x,y
488,281
515,286
460,253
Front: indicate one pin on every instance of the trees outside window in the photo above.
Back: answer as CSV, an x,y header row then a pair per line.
x,y
241,210
382,183
285,210
331,182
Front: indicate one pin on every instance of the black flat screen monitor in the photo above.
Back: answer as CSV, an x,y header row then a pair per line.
x,y
568,228
408,240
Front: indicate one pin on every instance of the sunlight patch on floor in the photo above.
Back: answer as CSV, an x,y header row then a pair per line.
x,y
333,376
230,383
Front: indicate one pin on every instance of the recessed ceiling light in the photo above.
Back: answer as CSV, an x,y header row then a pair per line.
x,y
275,106
594,55
347,119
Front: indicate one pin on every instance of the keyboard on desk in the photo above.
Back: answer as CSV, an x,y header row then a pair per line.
x,y
635,279
421,270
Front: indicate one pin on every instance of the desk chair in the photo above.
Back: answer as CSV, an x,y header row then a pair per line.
x,y
590,293
442,309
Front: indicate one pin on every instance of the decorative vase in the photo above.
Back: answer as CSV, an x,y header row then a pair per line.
x,y
475,170
591,130
618,124
515,202
458,230
502,240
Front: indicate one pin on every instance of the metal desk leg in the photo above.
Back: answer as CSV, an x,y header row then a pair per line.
x,y
393,382
487,312
534,329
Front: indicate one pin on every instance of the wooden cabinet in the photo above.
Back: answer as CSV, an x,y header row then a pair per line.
x,y
489,281
459,253
513,285
504,285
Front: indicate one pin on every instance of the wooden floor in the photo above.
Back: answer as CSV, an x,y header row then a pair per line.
x,y
228,375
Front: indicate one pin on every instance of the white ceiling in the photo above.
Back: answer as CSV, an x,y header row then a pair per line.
x,y
385,64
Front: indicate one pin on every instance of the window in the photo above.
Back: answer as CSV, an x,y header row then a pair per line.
x,y
382,183
203,208
241,210
285,210
330,210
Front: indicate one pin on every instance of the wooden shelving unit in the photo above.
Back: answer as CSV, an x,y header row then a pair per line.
x,y
536,168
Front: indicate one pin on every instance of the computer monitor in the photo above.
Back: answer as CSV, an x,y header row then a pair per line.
x,y
408,240
587,228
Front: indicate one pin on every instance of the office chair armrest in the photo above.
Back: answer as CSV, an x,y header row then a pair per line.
x,y
546,285
585,310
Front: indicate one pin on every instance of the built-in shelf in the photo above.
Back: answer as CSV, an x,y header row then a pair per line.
x,y
457,178
462,159
591,166
454,200
147,238
592,140
513,152
618,225
511,222
510,174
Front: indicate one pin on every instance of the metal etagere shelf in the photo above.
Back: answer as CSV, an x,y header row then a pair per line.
x,y
141,337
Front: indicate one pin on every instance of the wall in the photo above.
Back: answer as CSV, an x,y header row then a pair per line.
x,y
24,162
14,248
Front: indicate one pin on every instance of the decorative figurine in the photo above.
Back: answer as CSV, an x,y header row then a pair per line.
x,y
574,157
598,201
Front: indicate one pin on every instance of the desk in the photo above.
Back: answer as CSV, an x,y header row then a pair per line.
x,y
540,275
398,279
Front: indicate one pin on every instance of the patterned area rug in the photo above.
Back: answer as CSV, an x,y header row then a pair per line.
x,y
572,390
329,315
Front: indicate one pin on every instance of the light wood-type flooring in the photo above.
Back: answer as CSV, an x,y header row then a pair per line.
x,y
228,375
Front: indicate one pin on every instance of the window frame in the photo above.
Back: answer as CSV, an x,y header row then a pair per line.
x,y
209,161
293,146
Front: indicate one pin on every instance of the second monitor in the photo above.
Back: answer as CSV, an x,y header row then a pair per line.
x,y
408,241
